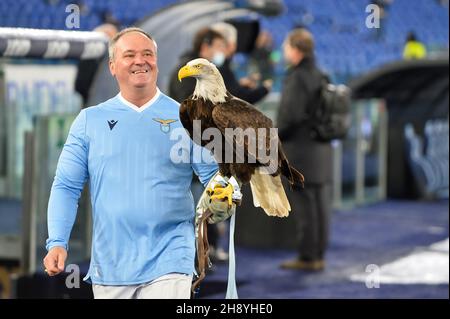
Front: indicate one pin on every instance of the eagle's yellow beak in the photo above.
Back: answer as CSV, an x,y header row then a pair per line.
x,y
187,71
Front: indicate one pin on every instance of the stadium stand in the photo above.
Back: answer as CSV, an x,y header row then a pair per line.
x,y
428,158
345,46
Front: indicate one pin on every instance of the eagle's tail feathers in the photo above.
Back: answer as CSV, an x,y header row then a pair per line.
x,y
297,178
291,173
268,193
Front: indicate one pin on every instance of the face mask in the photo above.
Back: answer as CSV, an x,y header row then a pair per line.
x,y
218,59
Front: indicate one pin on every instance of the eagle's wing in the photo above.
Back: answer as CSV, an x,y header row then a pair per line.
x,y
236,113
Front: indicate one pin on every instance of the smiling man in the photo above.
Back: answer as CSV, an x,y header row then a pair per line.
x,y
143,243
133,63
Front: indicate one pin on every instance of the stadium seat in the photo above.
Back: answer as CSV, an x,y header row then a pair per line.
x,y
428,158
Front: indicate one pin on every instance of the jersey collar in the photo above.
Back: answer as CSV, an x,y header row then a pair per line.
x,y
143,107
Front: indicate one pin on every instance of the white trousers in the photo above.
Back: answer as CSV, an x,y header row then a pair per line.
x,y
170,286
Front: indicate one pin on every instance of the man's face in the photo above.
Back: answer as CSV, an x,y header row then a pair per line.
x,y
134,63
287,52
218,46
292,56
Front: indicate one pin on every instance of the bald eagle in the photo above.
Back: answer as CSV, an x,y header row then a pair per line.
x,y
215,107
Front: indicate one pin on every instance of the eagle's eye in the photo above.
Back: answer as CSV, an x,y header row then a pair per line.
x,y
198,66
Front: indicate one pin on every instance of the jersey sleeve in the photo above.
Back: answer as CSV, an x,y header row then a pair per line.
x,y
71,175
204,166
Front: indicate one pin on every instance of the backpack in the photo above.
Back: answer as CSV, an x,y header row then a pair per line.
x,y
331,118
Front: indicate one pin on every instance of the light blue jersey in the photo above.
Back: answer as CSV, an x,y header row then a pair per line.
x,y
143,209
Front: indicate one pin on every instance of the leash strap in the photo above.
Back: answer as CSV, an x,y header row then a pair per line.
x,y
231,287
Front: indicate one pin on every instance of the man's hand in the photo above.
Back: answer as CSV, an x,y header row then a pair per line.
x,y
220,208
248,82
268,84
54,261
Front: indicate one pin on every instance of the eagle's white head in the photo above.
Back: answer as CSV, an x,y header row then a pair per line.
x,y
210,85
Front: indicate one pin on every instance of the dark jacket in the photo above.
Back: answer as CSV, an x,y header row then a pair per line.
x,y
179,91
242,92
85,76
301,91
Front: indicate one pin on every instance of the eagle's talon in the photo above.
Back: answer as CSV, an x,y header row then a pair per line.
x,y
224,193
209,191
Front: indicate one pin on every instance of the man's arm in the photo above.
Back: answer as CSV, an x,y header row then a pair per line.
x,y
205,167
71,174
247,94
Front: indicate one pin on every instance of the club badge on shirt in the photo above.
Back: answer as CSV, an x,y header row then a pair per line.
x,y
164,124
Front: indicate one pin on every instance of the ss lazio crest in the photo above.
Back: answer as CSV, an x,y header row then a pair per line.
x,y
164,124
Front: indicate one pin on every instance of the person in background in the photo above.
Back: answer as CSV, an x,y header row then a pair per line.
x,y
311,206
207,44
246,89
261,62
414,49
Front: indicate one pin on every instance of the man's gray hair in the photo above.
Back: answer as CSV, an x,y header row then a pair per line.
x,y
228,31
116,38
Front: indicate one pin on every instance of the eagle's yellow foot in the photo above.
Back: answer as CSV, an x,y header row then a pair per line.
x,y
222,193
215,189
